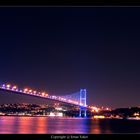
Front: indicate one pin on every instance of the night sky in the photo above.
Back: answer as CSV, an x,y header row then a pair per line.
x,y
63,49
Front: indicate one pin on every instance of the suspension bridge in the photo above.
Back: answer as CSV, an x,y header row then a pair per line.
x,y
77,98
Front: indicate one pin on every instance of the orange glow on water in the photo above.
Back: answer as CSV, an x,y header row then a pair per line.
x,y
41,123
25,125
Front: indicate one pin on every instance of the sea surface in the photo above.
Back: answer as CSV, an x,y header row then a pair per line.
x,y
61,125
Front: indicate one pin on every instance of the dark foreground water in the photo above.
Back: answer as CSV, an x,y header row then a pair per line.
x,y
47,125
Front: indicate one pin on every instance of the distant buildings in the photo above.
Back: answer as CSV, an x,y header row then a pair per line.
x,y
25,109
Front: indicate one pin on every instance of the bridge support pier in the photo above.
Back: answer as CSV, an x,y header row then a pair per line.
x,y
85,113
80,113
84,110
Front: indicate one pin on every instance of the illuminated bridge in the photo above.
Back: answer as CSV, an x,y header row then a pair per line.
x,y
76,99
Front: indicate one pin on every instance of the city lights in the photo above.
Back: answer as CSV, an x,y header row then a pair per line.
x,y
136,114
95,109
98,117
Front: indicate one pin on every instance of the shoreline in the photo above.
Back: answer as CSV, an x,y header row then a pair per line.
x,y
129,118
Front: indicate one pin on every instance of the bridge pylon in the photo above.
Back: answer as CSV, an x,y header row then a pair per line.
x,y
83,102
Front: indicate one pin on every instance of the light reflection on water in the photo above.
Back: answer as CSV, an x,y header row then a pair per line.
x,y
53,125
95,128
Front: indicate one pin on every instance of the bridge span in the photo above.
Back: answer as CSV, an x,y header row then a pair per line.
x,y
76,99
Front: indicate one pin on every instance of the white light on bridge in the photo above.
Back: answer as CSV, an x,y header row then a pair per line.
x,y
43,93
26,89
14,87
46,95
3,86
54,97
34,92
8,86
30,90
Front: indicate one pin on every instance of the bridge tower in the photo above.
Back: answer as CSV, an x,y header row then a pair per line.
x,y
83,102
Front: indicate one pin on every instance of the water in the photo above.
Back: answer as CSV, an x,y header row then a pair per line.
x,y
50,125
